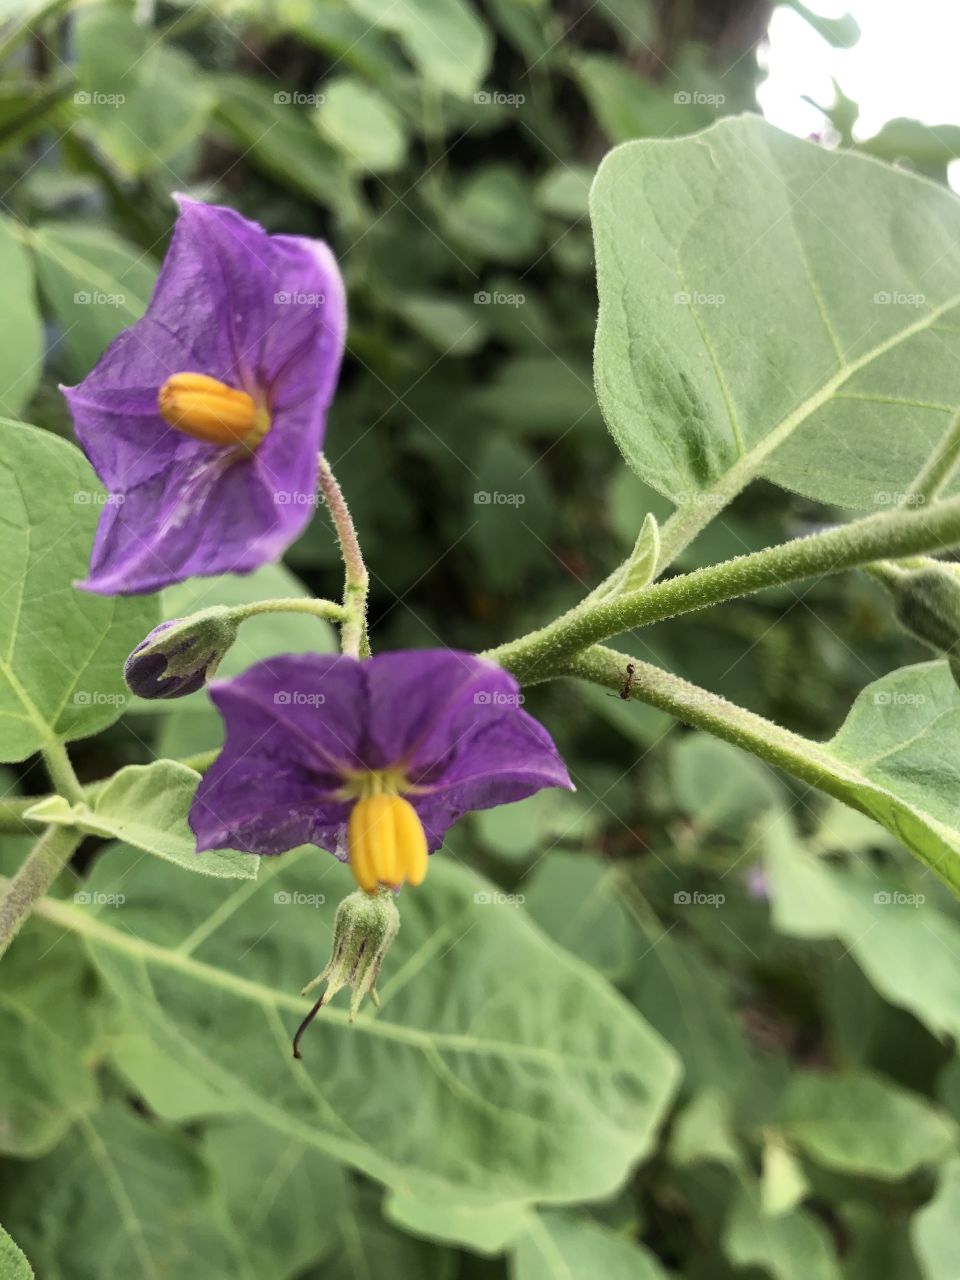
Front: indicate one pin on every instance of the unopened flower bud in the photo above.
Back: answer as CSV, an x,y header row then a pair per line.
x,y
927,604
363,930
178,657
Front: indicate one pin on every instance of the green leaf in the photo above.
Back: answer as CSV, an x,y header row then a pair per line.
x,y
842,32
859,1123
493,215
286,1200
124,1197
703,380
720,788
560,1246
276,136
94,283
793,1246
146,805
21,333
543,1081
565,192
362,124
639,567
578,900
908,949
61,649
934,1228
704,1131
783,1184
481,1230
142,101
371,1247
48,1029
13,1264
444,38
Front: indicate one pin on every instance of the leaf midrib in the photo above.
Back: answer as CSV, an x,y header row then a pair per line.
x,y
68,917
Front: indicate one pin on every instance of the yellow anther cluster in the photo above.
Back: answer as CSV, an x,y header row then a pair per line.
x,y
386,842
209,410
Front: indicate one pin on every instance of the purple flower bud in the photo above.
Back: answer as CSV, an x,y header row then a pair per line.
x,y
179,656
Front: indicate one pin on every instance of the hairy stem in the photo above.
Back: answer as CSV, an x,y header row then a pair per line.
x,y
326,609
65,781
353,631
890,535
937,472
43,864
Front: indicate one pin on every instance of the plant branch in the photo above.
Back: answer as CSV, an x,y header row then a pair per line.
x,y
937,472
353,631
51,853
889,535
65,781
326,609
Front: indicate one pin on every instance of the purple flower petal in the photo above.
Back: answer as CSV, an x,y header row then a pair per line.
x,y
300,728
265,314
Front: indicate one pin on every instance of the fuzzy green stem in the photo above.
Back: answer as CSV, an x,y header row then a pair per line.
x,y
326,609
353,631
43,864
890,535
705,710
65,781
937,472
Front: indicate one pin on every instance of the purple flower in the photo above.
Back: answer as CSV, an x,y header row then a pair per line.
x,y
372,760
205,418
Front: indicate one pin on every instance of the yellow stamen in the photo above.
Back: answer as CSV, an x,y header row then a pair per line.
x,y
386,842
209,410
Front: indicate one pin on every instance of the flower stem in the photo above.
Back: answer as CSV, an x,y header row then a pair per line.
x,y
327,609
890,535
51,853
353,631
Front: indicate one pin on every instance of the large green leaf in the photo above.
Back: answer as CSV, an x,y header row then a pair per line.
x,y
768,307
48,1029
859,1123
21,334
146,805
61,650
936,1238
95,284
543,1081
362,124
559,1246
793,1246
123,1197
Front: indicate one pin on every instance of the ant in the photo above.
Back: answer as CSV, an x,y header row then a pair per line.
x,y
627,683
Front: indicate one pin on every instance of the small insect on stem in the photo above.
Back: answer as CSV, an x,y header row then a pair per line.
x,y
627,683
